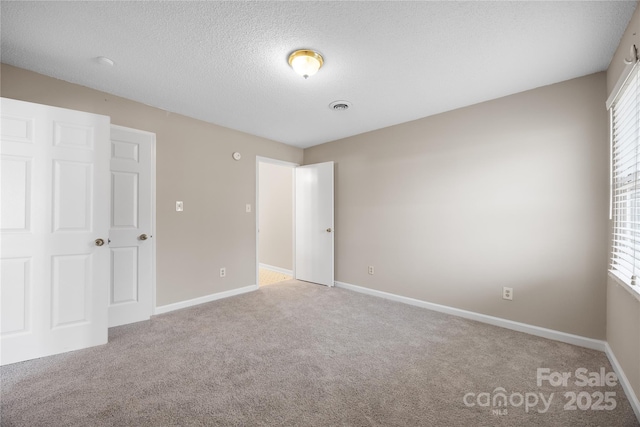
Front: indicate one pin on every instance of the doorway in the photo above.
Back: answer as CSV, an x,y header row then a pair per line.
x,y
275,221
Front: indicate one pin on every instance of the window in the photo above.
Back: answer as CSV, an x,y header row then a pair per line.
x,y
625,180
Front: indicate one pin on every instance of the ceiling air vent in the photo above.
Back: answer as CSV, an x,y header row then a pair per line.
x,y
340,105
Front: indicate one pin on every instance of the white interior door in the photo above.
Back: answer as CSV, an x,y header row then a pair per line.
x,y
314,223
54,223
131,244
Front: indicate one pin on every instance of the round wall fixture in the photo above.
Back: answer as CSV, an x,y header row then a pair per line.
x,y
340,105
103,60
236,156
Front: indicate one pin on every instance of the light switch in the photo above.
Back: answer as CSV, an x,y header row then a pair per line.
x,y
179,207
248,207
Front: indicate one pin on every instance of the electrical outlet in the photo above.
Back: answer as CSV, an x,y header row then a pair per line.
x,y
248,208
179,206
371,270
223,272
507,293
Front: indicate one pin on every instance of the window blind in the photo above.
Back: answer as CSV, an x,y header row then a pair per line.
x,y
625,157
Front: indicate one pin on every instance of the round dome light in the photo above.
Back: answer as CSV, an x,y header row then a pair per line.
x,y
306,62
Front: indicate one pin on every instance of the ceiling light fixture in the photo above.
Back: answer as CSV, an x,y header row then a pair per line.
x,y
306,62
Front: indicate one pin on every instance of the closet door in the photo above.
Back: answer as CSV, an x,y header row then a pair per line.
x,y
54,228
131,233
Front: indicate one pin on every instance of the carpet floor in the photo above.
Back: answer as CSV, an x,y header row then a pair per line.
x,y
298,354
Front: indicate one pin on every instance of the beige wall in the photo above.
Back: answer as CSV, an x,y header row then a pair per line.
x,y
194,165
623,308
623,330
511,192
276,215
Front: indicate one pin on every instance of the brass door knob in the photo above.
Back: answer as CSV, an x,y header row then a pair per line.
x,y
143,237
99,242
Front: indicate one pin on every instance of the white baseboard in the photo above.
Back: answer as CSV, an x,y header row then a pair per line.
x,y
276,269
496,321
201,300
624,381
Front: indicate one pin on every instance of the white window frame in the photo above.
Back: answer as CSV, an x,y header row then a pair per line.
x,y
624,108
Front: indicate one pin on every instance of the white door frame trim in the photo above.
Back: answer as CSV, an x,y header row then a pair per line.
x,y
153,210
153,224
260,159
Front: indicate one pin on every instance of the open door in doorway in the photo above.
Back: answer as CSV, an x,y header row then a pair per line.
x,y
313,228
314,251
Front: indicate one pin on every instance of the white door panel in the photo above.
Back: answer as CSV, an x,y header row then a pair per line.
x,y
16,305
16,185
314,223
54,206
131,288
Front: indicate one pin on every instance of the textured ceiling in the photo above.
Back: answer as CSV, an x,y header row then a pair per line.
x,y
226,62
